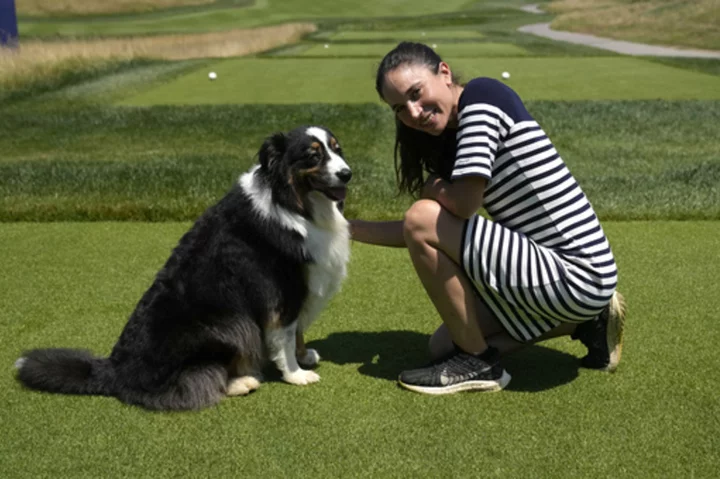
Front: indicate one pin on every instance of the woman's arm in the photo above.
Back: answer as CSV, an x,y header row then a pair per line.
x,y
382,233
463,197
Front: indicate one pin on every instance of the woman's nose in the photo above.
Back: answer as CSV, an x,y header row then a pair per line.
x,y
414,109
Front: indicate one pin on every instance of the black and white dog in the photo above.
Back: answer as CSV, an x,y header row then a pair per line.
x,y
240,287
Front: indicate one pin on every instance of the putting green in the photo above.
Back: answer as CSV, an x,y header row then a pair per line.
x,y
400,35
378,50
318,80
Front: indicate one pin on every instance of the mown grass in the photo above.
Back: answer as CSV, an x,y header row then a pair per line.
x,y
668,22
323,80
418,35
74,285
259,13
378,50
634,159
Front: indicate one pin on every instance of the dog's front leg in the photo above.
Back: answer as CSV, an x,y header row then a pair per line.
x,y
308,358
281,344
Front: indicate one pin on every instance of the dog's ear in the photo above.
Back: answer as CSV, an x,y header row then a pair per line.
x,y
272,149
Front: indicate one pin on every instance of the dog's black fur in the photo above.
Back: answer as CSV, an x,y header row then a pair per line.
x,y
235,274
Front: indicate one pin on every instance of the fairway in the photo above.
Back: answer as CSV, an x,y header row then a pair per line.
x,y
378,50
296,80
222,17
74,285
418,35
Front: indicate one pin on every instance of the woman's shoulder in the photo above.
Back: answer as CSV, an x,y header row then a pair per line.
x,y
484,90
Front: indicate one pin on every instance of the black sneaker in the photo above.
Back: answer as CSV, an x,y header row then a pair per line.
x,y
457,372
603,336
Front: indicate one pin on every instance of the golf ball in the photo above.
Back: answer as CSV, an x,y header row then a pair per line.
x,y
434,45
327,46
212,75
505,75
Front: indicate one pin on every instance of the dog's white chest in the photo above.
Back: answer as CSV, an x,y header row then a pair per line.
x,y
330,251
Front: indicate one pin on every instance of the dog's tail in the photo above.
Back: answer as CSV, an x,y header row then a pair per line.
x,y
66,371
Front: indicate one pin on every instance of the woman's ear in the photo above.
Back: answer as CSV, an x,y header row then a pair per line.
x,y
272,148
445,72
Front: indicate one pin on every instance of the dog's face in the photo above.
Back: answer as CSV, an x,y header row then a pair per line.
x,y
308,160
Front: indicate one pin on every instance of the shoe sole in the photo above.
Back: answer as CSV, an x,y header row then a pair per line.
x,y
615,331
478,386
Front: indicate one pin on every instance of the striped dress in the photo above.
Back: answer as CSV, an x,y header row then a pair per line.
x,y
542,258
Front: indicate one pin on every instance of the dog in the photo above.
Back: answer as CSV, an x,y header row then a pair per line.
x,y
241,287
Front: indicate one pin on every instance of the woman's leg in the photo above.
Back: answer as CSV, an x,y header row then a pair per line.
x,y
441,343
433,237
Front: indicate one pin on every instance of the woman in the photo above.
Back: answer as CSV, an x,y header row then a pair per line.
x,y
540,267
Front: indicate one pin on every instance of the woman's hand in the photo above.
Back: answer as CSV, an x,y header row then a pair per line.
x,y
430,188
463,197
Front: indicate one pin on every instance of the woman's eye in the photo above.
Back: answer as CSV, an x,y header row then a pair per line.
x,y
415,94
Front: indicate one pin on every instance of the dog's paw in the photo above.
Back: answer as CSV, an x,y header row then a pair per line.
x,y
310,359
301,377
242,385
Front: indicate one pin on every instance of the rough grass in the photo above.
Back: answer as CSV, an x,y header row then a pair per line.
x,y
50,62
74,285
634,159
665,22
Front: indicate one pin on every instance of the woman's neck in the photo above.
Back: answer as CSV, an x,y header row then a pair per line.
x,y
453,120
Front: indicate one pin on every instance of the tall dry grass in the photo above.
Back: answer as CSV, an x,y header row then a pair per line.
x,y
686,23
39,60
98,7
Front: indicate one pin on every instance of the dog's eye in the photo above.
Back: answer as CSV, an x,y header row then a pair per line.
x,y
316,149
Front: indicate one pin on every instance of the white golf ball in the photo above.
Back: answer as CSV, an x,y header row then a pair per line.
x,y
327,46
505,75
434,45
212,75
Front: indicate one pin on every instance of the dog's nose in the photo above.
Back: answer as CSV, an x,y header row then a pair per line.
x,y
345,174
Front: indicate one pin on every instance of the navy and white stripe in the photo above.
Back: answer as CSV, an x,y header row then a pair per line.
x,y
543,257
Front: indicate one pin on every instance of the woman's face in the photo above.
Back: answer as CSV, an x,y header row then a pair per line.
x,y
422,99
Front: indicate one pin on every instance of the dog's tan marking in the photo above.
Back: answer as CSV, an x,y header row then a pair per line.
x,y
315,145
296,194
274,321
309,171
333,143
240,366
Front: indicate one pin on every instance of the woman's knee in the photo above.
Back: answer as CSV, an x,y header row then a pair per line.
x,y
421,220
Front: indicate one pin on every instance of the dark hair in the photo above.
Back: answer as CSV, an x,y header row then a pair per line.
x,y
417,152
